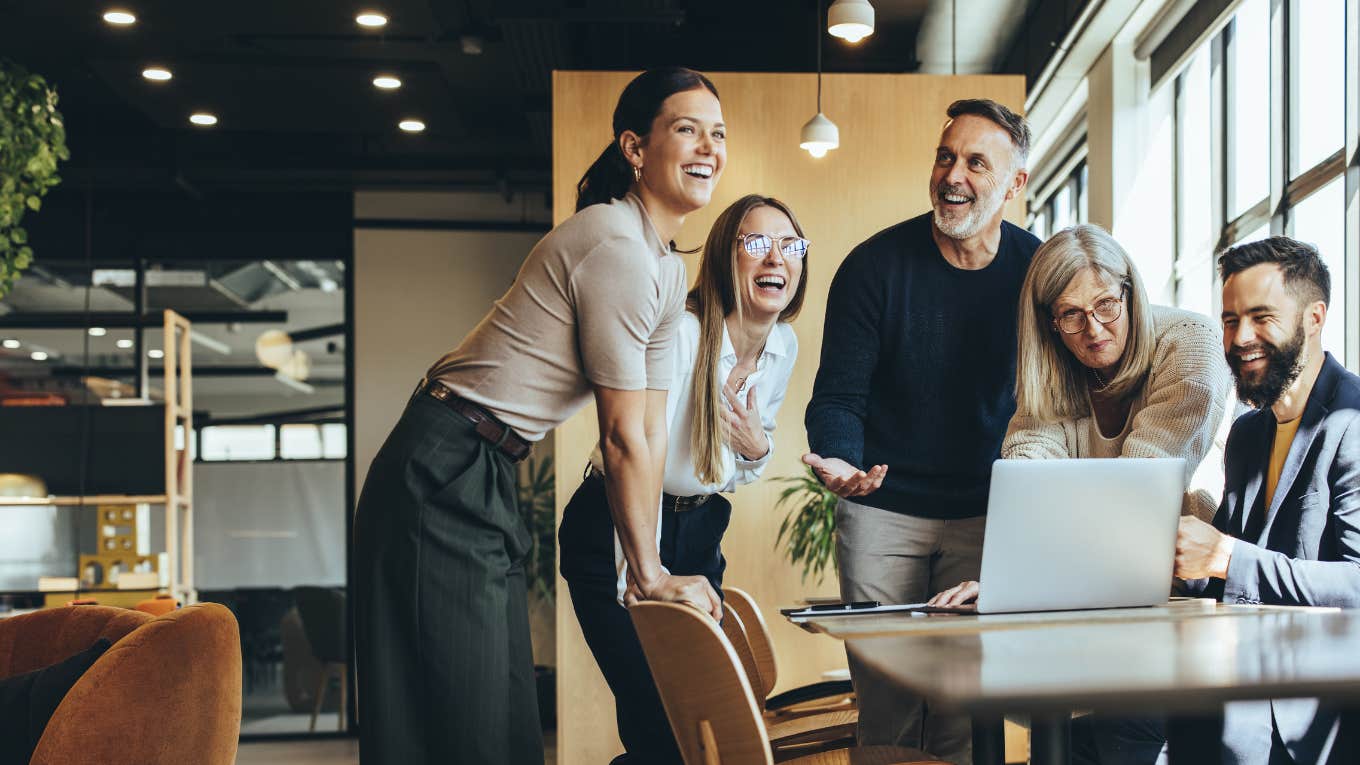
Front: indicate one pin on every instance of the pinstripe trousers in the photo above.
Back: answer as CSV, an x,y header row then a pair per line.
x,y
445,665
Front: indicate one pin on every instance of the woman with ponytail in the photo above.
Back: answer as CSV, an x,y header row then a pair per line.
x,y
442,633
734,351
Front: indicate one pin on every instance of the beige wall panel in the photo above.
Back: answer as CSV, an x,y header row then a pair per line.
x,y
879,176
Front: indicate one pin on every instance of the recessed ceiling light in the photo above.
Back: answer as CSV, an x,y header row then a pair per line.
x,y
411,126
11,343
98,331
38,356
119,17
204,119
156,353
157,73
371,19
124,343
386,82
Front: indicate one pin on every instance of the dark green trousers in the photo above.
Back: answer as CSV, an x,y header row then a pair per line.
x,y
445,666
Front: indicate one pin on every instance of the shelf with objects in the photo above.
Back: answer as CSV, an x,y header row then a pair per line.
x,y
122,570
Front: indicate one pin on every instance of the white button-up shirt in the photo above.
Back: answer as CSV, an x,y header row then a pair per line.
x,y
770,378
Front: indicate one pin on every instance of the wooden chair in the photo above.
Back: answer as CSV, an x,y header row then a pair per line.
x,y
322,610
709,701
831,729
817,698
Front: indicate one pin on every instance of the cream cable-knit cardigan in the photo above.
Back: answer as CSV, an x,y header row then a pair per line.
x,y
1177,412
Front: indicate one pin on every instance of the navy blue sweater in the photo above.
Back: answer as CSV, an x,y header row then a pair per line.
x,y
918,368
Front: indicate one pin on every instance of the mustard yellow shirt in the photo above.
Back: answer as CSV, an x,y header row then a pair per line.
x,y
1279,451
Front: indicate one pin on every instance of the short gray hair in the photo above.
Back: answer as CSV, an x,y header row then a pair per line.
x,y
1014,125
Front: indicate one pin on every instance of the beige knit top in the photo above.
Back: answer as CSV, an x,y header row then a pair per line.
x,y
1177,412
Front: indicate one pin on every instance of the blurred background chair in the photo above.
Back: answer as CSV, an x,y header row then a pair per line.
x,y
322,610
168,692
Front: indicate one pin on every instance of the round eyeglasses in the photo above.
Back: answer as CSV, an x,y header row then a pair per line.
x,y
758,245
1074,321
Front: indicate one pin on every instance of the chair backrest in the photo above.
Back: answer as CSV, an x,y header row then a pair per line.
x,y
168,693
708,700
757,635
322,610
735,632
36,640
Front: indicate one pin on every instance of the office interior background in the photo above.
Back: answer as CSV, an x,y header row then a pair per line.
x,y
329,235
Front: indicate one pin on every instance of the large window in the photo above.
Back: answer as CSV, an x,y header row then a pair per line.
x,y
1063,202
1261,130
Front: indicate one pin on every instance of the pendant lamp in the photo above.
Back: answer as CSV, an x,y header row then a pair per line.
x,y
820,134
850,20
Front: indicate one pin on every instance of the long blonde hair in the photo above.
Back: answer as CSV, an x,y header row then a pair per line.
x,y
1050,383
714,296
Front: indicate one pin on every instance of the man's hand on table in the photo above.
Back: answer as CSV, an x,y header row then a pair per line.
x,y
1202,551
958,595
844,479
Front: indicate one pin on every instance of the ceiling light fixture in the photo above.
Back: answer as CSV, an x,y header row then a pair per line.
x,y
203,119
98,331
850,20
157,73
386,82
371,19
124,343
411,126
155,353
11,343
820,134
119,17
38,356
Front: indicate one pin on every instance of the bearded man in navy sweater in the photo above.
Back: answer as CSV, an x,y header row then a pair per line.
x,y
915,388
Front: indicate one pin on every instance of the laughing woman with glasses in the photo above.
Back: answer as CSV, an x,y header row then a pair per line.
x,y
734,351
1101,372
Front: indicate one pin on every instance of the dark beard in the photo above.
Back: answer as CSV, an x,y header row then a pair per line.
x,y
1283,365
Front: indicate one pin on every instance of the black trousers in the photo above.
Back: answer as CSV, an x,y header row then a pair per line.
x,y
690,545
445,665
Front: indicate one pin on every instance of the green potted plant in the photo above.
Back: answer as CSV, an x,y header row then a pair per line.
x,y
32,141
536,494
810,524
536,506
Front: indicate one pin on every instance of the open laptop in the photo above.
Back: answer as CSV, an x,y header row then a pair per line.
x,y
1080,533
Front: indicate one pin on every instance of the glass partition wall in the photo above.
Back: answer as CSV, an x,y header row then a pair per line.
x,y
270,447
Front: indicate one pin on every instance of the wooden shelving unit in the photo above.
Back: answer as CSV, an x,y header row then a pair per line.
x,y
179,469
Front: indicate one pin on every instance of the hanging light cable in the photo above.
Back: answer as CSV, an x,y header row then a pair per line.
x,y
820,134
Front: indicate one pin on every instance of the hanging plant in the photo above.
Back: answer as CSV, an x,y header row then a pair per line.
x,y
810,525
32,141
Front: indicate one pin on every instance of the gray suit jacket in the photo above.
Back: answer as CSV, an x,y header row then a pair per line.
x,y
1301,549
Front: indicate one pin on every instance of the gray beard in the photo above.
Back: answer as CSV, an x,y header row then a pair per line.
x,y
972,223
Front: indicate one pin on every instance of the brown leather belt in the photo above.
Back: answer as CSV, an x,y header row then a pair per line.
x,y
668,501
500,435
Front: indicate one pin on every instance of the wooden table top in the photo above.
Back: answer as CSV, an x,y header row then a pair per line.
x,y
1185,657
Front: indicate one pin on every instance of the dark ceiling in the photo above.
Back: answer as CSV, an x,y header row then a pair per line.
x,y
291,81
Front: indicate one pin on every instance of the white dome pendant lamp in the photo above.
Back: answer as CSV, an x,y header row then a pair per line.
x,y
850,20
820,134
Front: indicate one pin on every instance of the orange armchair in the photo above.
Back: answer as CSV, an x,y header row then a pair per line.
x,y
168,692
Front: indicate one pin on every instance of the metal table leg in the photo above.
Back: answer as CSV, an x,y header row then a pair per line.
x,y
989,741
1194,740
1050,739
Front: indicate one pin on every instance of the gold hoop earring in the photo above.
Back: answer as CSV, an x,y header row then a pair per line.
x,y
637,174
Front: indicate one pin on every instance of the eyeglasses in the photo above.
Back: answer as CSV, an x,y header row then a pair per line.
x,y
1106,311
758,245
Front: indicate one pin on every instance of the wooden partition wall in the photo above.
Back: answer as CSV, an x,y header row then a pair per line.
x,y
889,127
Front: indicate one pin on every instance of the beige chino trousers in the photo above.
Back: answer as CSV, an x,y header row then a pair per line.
x,y
897,558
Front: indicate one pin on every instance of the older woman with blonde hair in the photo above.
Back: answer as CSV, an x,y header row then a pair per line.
x,y
1101,372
